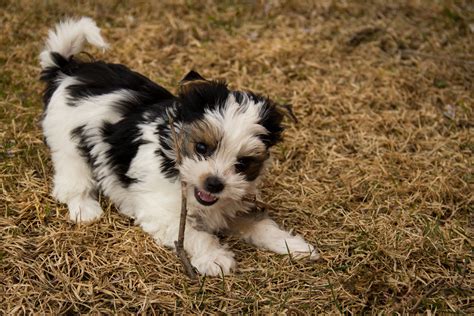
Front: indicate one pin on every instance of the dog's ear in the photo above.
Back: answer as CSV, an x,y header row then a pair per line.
x,y
272,118
192,76
191,81
198,94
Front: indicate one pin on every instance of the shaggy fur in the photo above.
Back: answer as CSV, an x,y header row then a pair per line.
x,y
108,129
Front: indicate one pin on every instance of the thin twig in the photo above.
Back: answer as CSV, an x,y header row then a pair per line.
x,y
179,244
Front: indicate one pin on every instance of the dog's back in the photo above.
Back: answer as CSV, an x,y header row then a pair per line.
x,y
92,111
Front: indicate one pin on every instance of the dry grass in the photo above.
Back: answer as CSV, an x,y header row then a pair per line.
x,y
378,172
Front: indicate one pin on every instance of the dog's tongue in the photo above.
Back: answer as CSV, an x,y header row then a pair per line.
x,y
206,197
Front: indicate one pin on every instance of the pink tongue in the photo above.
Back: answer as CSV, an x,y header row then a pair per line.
x,y
206,196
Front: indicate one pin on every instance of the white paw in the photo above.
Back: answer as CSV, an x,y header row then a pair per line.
x,y
82,210
298,248
219,261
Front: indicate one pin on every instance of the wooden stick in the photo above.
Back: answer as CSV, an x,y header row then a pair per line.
x,y
179,244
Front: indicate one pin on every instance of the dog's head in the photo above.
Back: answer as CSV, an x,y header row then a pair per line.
x,y
226,136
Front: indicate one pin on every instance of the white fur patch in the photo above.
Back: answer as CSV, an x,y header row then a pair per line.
x,y
69,38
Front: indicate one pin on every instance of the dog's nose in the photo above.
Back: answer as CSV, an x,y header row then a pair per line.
x,y
213,184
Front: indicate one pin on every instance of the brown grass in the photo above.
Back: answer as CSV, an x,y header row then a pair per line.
x,y
378,172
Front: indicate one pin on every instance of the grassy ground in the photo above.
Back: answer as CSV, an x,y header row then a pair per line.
x,y
378,172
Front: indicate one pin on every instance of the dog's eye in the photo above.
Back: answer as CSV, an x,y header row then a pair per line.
x,y
243,164
201,148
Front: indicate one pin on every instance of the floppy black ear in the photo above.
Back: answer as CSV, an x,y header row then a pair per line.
x,y
192,76
271,119
198,94
192,81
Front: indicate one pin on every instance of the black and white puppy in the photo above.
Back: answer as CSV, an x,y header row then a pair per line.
x,y
108,129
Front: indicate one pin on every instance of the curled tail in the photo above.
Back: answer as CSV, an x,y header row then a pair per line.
x,y
68,39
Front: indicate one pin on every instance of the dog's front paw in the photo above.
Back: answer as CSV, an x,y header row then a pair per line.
x,y
83,210
298,248
309,252
219,261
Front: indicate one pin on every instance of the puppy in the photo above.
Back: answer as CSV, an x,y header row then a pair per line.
x,y
108,129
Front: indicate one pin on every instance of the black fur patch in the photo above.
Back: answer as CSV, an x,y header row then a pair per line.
x,y
123,138
199,97
98,78
192,76
271,119
78,135
168,165
250,167
50,74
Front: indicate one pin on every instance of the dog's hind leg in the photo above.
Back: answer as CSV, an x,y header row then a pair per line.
x,y
74,183
75,186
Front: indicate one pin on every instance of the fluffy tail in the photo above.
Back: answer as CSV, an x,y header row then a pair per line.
x,y
69,38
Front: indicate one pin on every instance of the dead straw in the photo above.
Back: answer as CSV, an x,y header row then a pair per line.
x,y
374,173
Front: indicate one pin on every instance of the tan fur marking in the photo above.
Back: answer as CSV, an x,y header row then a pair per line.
x,y
187,86
201,132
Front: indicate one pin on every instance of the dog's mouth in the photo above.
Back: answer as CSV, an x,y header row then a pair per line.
x,y
204,197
